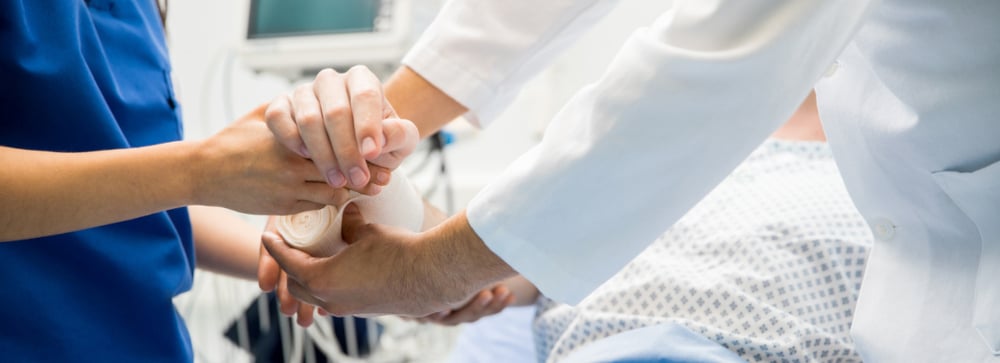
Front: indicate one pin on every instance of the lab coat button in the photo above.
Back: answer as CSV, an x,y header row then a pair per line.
x,y
883,229
832,69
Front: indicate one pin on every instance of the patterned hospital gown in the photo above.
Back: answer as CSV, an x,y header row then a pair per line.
x,y
768,265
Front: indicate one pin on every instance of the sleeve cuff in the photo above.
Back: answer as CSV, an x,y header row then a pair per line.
x,y
459,83
537,265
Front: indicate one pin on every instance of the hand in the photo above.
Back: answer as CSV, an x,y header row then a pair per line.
x,y
487,302
385,270
270,277
340,121
245,169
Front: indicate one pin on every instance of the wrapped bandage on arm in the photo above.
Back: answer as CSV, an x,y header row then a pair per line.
x,y
318,232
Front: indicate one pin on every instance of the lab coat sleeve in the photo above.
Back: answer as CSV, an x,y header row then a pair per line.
x,y
682,104
481,52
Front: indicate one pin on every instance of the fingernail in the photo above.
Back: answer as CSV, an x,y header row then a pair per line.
x,y
351,208
304,151
382,177
357,177
270,235
367,146
335,178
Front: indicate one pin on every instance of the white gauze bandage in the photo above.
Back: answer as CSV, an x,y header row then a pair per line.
x,y
318,232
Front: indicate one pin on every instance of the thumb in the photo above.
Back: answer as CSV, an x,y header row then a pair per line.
x,y
278,117
354,226
401,138
268,271
295,263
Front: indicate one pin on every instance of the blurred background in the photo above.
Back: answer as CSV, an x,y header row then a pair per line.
x,y
231,55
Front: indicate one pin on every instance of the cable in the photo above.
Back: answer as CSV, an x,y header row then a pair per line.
x,y
449,191
284,331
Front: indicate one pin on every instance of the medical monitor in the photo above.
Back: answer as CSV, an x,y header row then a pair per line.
x,y
296,38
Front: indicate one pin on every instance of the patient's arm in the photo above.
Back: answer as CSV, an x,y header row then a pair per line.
x,y
270,275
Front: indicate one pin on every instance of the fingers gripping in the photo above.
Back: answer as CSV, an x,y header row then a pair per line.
x,y
312,128
401,138
295,263
369,107
340,108
281,123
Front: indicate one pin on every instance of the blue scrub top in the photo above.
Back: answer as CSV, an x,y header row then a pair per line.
x,y
80,76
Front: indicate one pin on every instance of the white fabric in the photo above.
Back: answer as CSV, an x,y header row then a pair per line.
x,y
768,265
690,96
499,54
318,232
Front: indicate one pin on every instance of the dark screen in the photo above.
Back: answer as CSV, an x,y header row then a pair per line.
x,y
273,18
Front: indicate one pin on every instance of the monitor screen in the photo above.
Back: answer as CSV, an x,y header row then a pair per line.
x,y
282,18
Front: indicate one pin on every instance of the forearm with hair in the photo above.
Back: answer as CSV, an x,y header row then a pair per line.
x,y
454,247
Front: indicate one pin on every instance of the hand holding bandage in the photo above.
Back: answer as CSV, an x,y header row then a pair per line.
x,y
318,232
400,137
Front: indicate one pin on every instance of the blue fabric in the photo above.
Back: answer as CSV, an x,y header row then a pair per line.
x,y
81,76
666,343
501,338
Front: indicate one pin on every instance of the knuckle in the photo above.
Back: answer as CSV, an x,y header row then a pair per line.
x,y
334,197
310,119
366,94
370,127
360,68
275,110
327,73
273,117
338,111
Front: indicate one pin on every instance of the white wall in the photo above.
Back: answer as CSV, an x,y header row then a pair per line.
x,y
203,36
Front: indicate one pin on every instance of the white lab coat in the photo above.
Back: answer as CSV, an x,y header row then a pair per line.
x,y
909,92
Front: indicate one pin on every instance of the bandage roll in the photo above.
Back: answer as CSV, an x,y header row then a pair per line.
x,y
318,232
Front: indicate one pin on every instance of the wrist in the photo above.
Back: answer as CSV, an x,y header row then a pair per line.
x,y
460,262
196,160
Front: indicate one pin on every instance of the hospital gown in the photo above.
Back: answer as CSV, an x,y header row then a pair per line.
x,y
768,265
